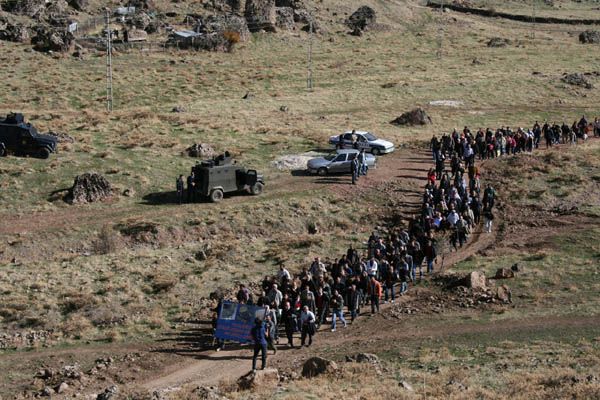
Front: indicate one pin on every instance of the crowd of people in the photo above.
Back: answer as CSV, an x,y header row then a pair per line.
x,y
453,204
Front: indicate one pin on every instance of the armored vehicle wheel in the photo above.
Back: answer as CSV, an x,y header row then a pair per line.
x,y
44,153
2,150
216,195
376,152
322,171
257,188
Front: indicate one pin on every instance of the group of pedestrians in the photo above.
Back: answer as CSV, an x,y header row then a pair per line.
x,y
453,204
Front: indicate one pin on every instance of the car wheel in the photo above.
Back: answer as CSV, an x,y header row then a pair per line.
x,y
376,152
44,153
257,188
2,151
216,195
322,171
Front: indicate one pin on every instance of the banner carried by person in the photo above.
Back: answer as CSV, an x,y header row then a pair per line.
x,y
235,321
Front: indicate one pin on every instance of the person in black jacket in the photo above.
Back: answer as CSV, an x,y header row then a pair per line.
x,y
290,322
258,334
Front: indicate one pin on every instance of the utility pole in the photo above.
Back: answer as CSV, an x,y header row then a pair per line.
x,y
441,31
533,19
309,82
109,88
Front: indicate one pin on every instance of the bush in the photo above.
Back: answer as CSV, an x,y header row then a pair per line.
x,y
109,241
232,38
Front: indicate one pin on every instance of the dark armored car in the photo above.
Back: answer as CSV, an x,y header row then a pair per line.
x,y
22,138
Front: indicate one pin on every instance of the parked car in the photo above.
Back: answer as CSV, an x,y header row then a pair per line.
x,y
362,140
337,162
22,138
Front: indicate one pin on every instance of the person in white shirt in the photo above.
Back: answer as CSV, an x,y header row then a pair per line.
x,y
372,267
307,321
452,218
283,274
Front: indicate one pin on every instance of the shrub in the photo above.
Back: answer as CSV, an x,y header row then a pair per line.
x,y
109,241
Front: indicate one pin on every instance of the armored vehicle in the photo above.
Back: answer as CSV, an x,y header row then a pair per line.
x,y
214,178
22,138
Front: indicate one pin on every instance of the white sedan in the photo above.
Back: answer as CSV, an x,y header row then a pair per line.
x,y
362,140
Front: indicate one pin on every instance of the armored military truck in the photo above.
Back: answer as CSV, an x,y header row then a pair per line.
x,y
22,138
214,178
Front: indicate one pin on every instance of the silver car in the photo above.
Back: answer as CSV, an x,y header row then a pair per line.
x,y
337,162
362,140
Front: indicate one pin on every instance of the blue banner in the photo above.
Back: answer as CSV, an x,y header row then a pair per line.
x,y
236,320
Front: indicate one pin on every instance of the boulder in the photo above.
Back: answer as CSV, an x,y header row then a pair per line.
x,y
295,4
261,15
406,386
516,268
418,116
51,39
141,20
577,79
237,6
89,188
504,294
201,150
207,393
592,37
285,18
504,273
13,32
63,387
476,280
498,42
316,366
259,378
361,20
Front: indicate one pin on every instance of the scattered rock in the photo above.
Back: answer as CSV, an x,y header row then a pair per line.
x,y
129,192
201,150
592,37
418,116
476,280
406,386
516,268
498,42
259,378
316,366
89,188
456,385
293,161
504,273
261,15
109,393
285,18
208,393
476,61
63,387
284,109
248,96
363,358
178,109
361,20
389,85
577,79
504,294
47,392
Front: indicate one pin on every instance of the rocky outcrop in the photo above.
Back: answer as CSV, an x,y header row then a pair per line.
x,y
51,39
261,15
13,32
418,116
285,18
89,188
361,20
577,80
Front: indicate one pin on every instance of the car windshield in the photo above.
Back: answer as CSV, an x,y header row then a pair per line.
x,y
331,156
370,137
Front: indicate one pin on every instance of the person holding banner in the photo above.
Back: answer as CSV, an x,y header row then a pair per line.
x,y
260,343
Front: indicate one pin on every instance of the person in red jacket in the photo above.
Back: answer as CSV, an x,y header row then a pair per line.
x,y
375,291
